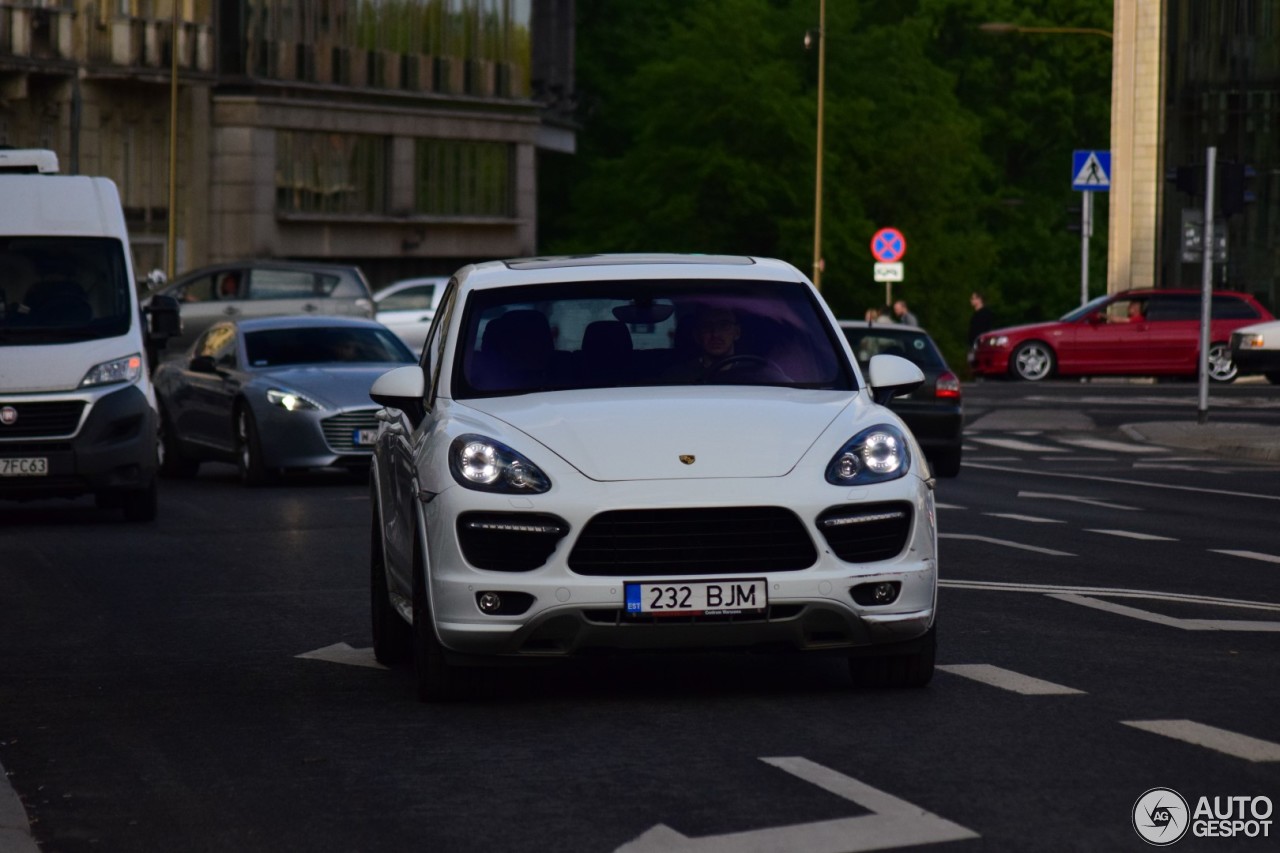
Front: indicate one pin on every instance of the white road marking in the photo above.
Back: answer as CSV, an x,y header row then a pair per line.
x,y
1051,496
948,506
1071,460
1252,555
1111,446
1210,737
1006,543
1022,472
342,653
892,823
1049,589
1129,534
1008,680
1032,518
1015,444
1247,625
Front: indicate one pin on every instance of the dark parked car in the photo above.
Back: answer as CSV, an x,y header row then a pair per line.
x,y
932,411
275,393
264,288
1131,333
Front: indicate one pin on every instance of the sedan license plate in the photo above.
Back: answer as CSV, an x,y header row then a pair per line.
x,y
365,437
30,466
696,598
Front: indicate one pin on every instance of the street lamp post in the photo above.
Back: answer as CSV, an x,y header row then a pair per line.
x,y
817,192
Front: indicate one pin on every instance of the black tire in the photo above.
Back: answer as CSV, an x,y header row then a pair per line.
x,y
249,450
1032,361
141,505
392,636
438,680
946,463
904,671
1273,377
1221,367
173,462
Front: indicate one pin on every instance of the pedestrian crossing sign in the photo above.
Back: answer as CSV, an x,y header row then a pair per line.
x,y
1091,171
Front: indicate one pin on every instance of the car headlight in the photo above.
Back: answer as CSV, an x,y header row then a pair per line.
x,y
127,369
289,400
490,466
875,455
1254,341
996,341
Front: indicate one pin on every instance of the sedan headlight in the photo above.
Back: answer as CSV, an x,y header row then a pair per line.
x,y
1252,341
490,466
289,400
996,341
127,369
875,455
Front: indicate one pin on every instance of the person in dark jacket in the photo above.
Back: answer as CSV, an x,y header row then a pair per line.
x,y
981,321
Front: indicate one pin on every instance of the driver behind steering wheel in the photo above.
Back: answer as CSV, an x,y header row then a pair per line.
x,y
716,331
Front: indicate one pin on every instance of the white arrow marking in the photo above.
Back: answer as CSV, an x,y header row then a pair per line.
x,y
1047,496
342,653
892,823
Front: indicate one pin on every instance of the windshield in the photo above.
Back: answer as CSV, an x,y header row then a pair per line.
x,y
516,340
872,340
1084,310
59,289
353,345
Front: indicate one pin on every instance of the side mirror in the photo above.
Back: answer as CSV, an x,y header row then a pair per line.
x,y
892,376
163,318
203,364
403,389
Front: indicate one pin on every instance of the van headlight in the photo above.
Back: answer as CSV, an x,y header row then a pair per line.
x,y
127,369
875,455
490,466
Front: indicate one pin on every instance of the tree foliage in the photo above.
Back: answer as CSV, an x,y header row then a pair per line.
x,y
699,135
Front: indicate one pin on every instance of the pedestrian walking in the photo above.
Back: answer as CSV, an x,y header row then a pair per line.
x,y
981,320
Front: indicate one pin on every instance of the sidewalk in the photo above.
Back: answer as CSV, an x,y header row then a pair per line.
x,y
1248,441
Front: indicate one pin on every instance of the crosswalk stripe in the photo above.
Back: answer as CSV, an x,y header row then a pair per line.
x,y
1210,737
1015,444
1006,543
1252,555
1007,679
1112,446
1032,518
1130,534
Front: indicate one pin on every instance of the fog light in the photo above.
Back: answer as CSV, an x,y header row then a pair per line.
x,y
490,602
877,593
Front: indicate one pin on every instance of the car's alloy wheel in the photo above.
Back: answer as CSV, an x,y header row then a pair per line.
x,y
392,636
438,681
249,450
1221,367
1032,361
911,670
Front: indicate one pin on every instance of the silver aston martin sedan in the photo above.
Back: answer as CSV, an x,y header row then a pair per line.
x,y
275,393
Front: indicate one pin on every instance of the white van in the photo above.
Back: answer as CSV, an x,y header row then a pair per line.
x,y
77,410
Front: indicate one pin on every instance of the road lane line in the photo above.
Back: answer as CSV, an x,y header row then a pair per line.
x,y
948,506
1034,519
1007,679
1006,543
1022,472
1047,589
1251,625
1220,740
1112,446
1252,555
1130,534
1050,496
1015,444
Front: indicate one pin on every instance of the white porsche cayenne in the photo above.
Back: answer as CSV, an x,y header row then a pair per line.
x,y
647,452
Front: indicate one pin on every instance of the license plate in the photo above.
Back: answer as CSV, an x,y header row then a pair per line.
x,y
32,466
696,598
366,437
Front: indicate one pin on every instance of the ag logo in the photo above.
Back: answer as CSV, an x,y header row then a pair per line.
x,y
1161,816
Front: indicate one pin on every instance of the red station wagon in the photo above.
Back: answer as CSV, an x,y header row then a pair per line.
x,y
1131,333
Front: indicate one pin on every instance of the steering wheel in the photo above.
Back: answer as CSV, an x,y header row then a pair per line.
x,y
737,362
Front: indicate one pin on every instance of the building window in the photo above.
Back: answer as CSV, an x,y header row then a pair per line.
x,y
333,173
462,178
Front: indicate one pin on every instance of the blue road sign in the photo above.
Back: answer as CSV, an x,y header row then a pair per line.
x,y
888,245
1091,171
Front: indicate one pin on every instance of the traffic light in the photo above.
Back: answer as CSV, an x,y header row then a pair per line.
x,y
1237,187
1073,218
1187,179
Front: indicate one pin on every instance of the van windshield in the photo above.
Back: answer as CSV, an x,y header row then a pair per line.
x,y
59,289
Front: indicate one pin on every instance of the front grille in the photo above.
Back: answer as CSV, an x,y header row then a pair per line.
x,y
509,541
340,430
669,542
864,533
40,420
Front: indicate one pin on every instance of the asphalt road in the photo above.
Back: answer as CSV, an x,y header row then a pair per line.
x,y
1110,622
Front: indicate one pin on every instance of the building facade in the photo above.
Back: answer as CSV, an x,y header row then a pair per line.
x,y
1187,75
402,136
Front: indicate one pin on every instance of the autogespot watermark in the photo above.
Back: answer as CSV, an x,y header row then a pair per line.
x,y
1162,816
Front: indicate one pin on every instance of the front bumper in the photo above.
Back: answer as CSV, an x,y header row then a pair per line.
x,y
990,361
809,609
1251,361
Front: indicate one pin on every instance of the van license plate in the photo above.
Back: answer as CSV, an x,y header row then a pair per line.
x,y
696,598
32,466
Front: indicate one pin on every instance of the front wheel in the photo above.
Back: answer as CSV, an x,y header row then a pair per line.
x,y
438,680
392,636
1221,366
1032,361
1273,377
173,462
253,470
912,670
141,504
